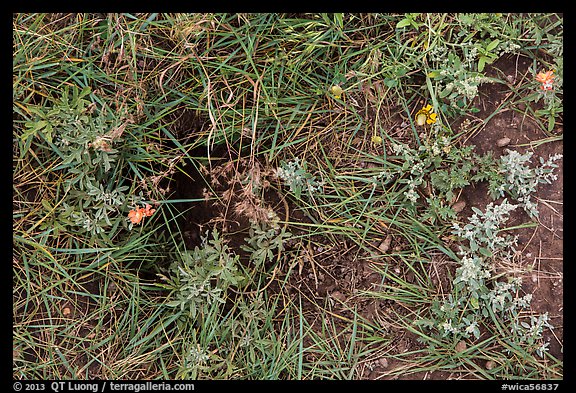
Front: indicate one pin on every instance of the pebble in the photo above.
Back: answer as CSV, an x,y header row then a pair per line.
x,y
383,362
503,142
410,276
461,346
374,279
459,206
385,245
338,296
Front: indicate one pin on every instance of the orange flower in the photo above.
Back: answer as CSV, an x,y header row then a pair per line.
x,y
137,215
147,211
546,78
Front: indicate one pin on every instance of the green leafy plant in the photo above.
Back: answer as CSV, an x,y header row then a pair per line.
x,y
458,65
520,180
477,297
263,241
231,336
295,175
445,168
549,93
83,141
202,276
409,20
482,231
449,169
66,113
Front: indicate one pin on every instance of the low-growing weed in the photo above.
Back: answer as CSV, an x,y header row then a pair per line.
x,y
478,297
87,144
206,284
295,175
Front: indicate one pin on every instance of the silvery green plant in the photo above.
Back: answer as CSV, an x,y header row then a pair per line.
x,y
530,333
263,241
237,332
446,168
415,164
196,358
460,81
202,275
79,139
520,180
295,175
477,295
459,65
461,73
483,230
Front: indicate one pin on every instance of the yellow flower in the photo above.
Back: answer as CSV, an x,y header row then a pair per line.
x,y
337,91
377,139
425,115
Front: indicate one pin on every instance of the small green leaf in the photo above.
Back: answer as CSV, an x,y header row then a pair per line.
x,y
477,211
551,123
48,132
297,192
474,303
457,62
403,23
491,46
174,303
481,63
339,19
47,205
473,245
38,125
444,93
390,82
476,332
85,91
485,252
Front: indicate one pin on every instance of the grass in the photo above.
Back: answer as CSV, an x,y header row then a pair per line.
x,y
111,112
